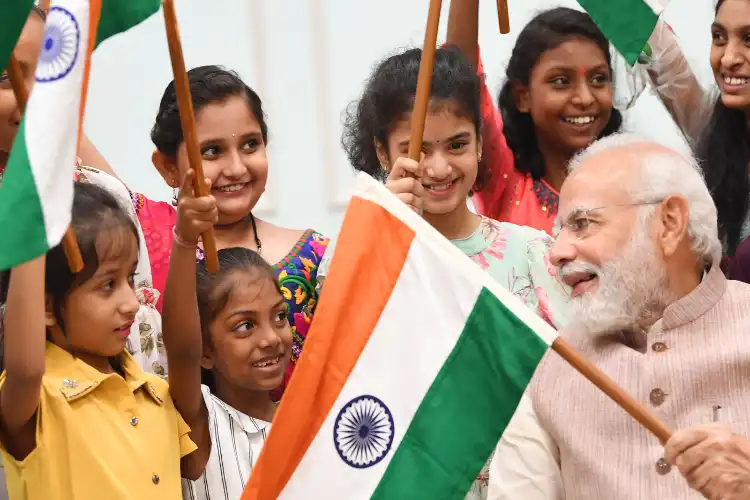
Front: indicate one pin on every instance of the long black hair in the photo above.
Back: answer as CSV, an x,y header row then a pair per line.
x,y
546,31
724,152
208,85
389,96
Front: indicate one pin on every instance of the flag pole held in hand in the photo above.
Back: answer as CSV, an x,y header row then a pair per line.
x,y
187,119
424,82
69,243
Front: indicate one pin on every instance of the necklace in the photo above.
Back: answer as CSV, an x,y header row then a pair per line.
x,y
255,234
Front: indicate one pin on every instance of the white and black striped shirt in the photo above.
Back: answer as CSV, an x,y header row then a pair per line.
x,y
236,441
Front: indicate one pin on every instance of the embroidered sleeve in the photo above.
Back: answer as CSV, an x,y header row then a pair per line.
x,y
325,264
552,294
497,155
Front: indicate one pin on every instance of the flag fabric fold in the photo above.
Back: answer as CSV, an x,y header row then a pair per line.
x,y
628,24
36,193
413,368
15,14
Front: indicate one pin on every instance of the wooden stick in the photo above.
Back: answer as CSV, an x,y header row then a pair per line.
x,y
69,243
187,119
424,81
503,17
611,389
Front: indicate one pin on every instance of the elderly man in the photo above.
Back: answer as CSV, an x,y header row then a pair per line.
x,y
638,245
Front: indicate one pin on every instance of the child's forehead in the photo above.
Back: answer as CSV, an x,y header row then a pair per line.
x,y
251,289
116,247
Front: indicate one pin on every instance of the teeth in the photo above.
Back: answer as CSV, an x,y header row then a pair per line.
x,y
580,120
231,187
441,187
735,81
268,362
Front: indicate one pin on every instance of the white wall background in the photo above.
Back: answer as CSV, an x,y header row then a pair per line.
x,y
308,59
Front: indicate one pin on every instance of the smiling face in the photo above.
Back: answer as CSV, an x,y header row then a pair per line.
x,y
730,53
250,338
569,95
451,149
233,155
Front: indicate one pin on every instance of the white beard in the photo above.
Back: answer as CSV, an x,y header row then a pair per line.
x,y
632,289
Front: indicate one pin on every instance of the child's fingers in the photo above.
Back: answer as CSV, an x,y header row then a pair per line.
x,y
187,183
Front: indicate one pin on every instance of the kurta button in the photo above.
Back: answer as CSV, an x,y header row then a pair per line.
x,y
657,397
663,467
155,479
134,421
659,347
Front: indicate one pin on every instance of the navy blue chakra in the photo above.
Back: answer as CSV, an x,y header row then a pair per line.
x,y
363,432
59,47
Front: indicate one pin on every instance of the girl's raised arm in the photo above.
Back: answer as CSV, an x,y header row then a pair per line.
x,y
463,28
687,102
24,353
181,323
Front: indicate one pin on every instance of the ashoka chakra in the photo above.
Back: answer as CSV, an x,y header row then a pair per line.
x,y
363,432
59,47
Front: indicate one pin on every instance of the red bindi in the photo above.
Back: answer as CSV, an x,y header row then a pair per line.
x,y
582,71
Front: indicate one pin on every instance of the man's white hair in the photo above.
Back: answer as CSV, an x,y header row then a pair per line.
x,y
667,173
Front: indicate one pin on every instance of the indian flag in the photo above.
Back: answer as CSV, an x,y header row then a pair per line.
x,y
627,23
36,193
416,361
15,13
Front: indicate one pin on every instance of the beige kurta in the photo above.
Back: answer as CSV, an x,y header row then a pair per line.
x,y
571,441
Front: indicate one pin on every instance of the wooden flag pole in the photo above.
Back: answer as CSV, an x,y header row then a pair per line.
x,y
503,17
69,243
611,389
424,81
187,119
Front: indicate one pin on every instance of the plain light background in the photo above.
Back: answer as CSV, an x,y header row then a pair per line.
x,y
308,59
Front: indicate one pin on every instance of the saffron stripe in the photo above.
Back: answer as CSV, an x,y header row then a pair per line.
x,y
340,335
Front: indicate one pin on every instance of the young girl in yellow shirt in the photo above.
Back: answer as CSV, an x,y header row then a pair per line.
x,y
78,418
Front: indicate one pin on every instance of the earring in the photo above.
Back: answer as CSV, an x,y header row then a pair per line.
x,y
479,157
175,196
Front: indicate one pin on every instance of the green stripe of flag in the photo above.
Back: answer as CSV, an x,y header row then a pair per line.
x,y
14,15
467,407
120,16
627,23
22,227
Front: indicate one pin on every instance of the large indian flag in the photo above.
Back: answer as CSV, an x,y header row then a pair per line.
x,y
627,23
36,193
415,363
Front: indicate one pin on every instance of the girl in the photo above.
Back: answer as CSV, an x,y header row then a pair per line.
x,y
79,417
233,134
715,121
239,333
145,343
376,139
556,100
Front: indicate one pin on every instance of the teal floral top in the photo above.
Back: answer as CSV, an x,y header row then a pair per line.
x,y
517,257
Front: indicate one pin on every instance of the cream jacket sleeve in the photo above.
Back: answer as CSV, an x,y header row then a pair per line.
x,y
526,464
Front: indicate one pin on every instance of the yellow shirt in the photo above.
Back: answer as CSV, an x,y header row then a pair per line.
x,y
101,437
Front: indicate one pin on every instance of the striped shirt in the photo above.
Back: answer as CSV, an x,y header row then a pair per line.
x,y
236,441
